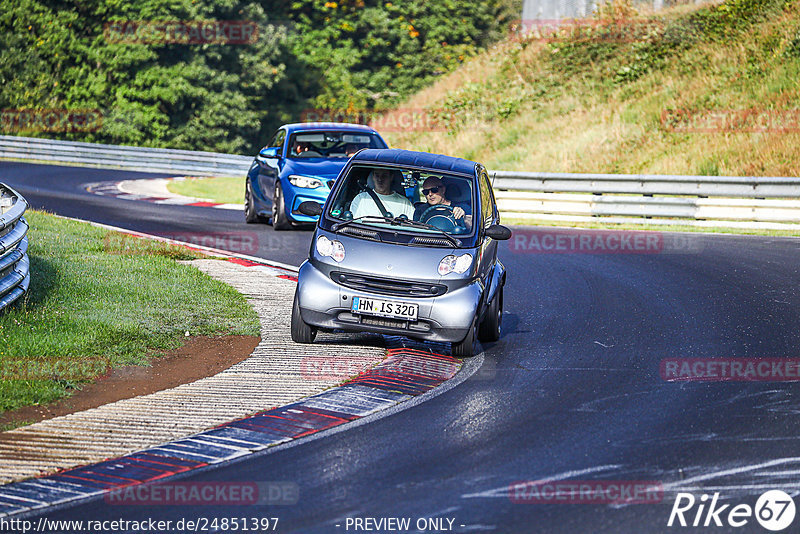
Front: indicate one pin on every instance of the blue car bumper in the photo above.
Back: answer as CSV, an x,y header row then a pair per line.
x,y
293,196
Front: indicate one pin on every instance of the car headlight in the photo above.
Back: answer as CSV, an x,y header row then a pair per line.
x,y
304,181
333,249
455,264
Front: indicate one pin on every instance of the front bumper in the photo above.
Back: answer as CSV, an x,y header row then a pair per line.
x,y
326,304
294,196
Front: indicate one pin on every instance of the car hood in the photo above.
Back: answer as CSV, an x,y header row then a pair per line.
x,y
390,259
321,167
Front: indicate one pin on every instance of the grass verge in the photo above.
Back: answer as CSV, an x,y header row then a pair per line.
x,y
98,299
709,90
225,189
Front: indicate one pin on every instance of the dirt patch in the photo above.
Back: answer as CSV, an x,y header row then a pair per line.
x,y
198,358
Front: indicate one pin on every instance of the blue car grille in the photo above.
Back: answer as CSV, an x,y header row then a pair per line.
x,y
388,286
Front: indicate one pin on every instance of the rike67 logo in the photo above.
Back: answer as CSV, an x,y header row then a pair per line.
x,y
774,510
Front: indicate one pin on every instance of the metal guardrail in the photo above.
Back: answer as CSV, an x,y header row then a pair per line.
x,y
738,199
15,274
124,157
664,199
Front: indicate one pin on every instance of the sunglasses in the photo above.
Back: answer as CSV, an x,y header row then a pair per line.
x,y
426,192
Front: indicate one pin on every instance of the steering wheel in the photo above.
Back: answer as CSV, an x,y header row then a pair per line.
x,y
441,216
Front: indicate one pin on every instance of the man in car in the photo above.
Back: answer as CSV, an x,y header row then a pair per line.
x,y
381,201
434,190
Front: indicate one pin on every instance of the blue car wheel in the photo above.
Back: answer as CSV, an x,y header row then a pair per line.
x,y
280,221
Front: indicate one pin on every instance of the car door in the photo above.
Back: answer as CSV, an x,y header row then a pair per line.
x,y
488,216
269,168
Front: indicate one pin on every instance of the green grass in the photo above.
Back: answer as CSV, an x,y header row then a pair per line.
x,y
225,189
100,297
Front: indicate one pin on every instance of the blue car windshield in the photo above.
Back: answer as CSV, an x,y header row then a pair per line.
x,y
438,202
331,144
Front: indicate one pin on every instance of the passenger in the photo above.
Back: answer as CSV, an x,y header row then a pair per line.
x,y
393,203
434,190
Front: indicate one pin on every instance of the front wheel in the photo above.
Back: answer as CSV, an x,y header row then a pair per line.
x,y
466,347
279,219
489,329
301,332
250,214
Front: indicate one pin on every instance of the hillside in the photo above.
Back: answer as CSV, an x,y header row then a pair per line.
x,y
714,90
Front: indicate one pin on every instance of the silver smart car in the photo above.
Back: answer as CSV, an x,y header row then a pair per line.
x,y
406,244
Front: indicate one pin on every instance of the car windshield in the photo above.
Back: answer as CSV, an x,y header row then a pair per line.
x,y
331,144
419,201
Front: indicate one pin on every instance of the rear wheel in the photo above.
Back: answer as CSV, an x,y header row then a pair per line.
x,y
279,219
489,329
301,332
466,347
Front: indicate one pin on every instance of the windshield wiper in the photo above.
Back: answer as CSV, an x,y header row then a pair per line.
x,y
398,221
342,224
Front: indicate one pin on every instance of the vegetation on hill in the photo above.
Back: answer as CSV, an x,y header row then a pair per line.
x,y
709,90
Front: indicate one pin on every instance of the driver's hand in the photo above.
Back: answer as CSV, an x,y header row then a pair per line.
x,y
458,212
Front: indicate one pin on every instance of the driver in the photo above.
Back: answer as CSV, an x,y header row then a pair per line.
x,y
434,190
394,203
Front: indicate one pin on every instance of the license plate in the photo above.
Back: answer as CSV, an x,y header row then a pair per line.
x,y
385,308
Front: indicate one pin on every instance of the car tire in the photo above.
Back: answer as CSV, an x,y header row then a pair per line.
x,y
250,214
279,219
301,332
489,329
466,347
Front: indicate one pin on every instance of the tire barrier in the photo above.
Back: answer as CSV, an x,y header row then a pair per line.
x,y
14,263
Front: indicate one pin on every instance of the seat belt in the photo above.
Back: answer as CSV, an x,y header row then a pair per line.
x,y
378,202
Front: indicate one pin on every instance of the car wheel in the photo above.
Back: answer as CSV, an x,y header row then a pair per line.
x,y
301,332
279,219
489,329
250,215
466,347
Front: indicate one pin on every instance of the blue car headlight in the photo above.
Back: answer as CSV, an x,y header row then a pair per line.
x,y
305,182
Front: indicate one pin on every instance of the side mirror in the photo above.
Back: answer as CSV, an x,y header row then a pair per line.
x,y
498,232
312,209
270,153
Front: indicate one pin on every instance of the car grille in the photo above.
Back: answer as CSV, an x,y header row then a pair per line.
x,y
432,242
360,232
388,286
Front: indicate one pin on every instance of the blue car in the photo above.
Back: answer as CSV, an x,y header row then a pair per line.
x,y
300,164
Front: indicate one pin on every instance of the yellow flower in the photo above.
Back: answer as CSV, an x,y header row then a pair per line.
x,y
331,5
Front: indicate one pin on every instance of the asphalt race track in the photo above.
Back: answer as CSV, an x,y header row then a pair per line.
x,y
572,391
